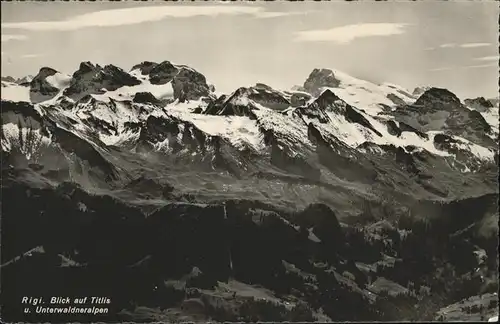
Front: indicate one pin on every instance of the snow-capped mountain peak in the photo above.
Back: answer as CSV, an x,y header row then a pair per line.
x,y
164,107
360,93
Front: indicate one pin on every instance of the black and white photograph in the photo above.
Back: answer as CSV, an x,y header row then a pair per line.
x,y
249,161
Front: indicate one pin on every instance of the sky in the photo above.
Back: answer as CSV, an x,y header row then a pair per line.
x,y
451,44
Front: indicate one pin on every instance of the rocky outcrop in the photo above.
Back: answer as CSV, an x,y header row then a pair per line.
x,y
37,139
24,81
318,109
91,79
268,97
420,90
330,102
216,106
441,110
8,79
395,99
298,99
189,84
40,89
145,97
237,104
145,67
318,79
161,73
480,104
398,129
438,99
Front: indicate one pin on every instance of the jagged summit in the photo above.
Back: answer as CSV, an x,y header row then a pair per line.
x,y
189,84
237,104
320,78
162,73
186,83
435,96
374,98
92,79
45,72
439,109
111,104
480,104
327,96
87,66
420,90
165,81
145,67
25,80
145,97
244,100
8,78
47,84
88,98
262,86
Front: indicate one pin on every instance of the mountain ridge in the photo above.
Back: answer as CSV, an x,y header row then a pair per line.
x,y
260,112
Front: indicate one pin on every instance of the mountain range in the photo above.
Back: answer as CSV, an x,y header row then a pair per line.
x,y
261,204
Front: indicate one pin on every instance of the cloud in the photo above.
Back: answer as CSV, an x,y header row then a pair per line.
x,y
463,67
274,14
454,45
472,45
31,55
137,15
348,33
451,45
488,58
480,66
6,38
440,69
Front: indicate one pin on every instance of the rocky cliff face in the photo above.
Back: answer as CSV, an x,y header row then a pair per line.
x,y
320,78
187,83
92,79
480,104
40,88
439,109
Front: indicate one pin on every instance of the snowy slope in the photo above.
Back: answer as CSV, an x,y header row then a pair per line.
x,y
25,79
26,139
291,133
491,116
23,133
14,92
59,80
292,129
355,134
366,95
238,130
115,119
163,91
